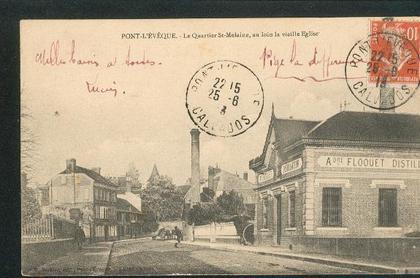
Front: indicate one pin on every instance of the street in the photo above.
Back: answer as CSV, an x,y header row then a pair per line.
x,y
161,257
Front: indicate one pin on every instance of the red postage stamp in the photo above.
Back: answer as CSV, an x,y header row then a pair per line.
x,y
392,55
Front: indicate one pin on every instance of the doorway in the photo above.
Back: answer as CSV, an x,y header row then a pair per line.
x,y
278,198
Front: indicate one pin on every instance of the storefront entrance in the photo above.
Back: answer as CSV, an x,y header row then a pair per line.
x,y
278,198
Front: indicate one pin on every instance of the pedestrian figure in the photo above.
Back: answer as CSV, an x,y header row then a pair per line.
x,y
79,236
178,235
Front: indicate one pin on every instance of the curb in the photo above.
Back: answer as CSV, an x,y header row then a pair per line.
x,y
336,263
109,259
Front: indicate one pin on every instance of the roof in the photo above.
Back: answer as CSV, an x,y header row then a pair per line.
x,y
123,204
295,129
155,173
90,173
226,181
183,188
346,125
133,199
369,126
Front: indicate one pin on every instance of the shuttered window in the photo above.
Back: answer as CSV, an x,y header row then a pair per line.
x,y
331,206
387,207
292,209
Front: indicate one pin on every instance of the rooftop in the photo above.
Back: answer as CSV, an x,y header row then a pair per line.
x,y
90,173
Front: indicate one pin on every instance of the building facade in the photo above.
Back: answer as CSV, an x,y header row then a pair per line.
x,y
354,175
129,215
85,196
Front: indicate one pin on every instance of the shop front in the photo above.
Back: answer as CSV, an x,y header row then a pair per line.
x,y
324,188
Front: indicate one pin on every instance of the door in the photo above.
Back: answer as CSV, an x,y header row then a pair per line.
x,y
278,198
106,232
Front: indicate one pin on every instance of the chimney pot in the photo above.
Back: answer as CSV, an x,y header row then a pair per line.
x,y
71,164
97,170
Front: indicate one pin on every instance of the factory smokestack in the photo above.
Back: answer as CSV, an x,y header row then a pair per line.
x,y
195,166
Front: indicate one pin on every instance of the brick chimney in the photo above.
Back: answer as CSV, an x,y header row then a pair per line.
x,y
71,164
246,176
195,166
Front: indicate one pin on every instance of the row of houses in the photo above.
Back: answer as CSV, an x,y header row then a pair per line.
x,y
106,210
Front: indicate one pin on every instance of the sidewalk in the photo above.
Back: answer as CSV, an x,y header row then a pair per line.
x,y
359,264
91,260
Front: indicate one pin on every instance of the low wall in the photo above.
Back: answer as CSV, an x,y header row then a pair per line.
x,y
35,254
395,249
217,232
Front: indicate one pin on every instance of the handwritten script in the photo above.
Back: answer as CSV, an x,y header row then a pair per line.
x,y
58,56
321,62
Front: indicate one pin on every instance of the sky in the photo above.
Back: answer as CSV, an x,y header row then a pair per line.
x,y
148,123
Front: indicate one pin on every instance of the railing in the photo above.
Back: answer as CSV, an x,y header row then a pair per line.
x,y
39,229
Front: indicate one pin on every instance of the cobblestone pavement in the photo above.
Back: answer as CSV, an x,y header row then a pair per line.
x,y
161,257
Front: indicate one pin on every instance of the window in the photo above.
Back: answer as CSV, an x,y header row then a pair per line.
x,y
96,194
292,210
97,212
264,210
100,232
387,207
331,206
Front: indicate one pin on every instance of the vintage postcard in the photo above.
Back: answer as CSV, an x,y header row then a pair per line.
x,y
220,146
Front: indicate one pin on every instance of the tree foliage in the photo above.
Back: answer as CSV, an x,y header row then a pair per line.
x,y
30,209
161,197
204,213
231,203
134,175
226,208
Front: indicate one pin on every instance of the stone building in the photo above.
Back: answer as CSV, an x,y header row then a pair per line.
x,y
86,196
355,175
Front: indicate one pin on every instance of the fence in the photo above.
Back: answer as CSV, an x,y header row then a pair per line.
x,y
39,229
46,228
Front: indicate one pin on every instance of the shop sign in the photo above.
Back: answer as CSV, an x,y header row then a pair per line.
x,y
266,176
291,166
361,162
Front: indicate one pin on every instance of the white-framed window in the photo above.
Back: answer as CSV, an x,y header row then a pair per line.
x,y
97,212
100,231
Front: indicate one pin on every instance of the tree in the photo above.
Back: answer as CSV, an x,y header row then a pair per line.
x,y
134,175
30,208
204,213
231,203
161,197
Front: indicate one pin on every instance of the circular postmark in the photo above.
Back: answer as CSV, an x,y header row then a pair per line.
x,y
382,71
224,98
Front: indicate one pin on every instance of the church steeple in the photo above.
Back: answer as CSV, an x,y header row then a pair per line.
x,y
155,173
